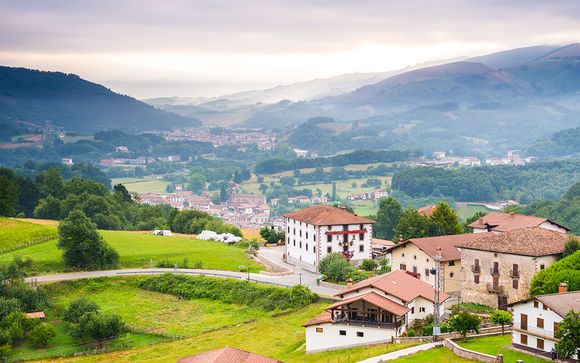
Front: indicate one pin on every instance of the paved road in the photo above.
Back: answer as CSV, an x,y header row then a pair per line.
x,y
273,254
401,353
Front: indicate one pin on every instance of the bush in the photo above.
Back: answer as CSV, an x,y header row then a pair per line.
x,y
565,270
97,326
464,322
357,276
411,333
501,317
78,308
231,291
42,334
335,267
368,265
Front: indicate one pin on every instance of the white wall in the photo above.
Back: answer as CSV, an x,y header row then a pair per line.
x,y
553,227
533,332
330,337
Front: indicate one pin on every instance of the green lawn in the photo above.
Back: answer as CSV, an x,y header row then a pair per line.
x,y
136,249
203,324
435,355
495,344
465,210
144,186
16,234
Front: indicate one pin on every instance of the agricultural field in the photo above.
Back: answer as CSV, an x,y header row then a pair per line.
x,y
200,323
142,185
16,234
137,249
466,210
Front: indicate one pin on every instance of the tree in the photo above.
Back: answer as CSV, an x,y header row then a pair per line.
x,y
569,334
224,195
572,245
464,322
333,195
78,308
501,317
8,197
412,225
42,334
388,217
567,270
98,326
368,264
335,267
445,221
84,247
122,192
48,208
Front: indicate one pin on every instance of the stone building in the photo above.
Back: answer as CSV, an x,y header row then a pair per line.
x,y
498,269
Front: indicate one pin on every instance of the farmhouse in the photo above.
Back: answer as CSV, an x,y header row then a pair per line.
x,y
498,269
371,312
502,222
417,255
314,232
536,320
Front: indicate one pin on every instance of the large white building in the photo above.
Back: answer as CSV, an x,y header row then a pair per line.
x,y
314,232
536,320
498,222
371,312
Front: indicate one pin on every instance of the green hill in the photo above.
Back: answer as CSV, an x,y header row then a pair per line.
x,y
17,234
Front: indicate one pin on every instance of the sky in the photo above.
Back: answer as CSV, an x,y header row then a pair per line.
x,y
193,48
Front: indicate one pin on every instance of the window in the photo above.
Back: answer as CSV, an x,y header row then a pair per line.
x,y
361,236
515,283
524,339
495,268
314,249
542,266
329,238
402,255
540,344
300,244
415,269
288,229
536,304
545,307
294,231
515,270
476,279
329,249
360,334
427,260
342,332
426,272
320,330
307,247
451,263
294,242
523,322
361,248
361,227
403,267
414,257
540,323
413,310
451,274
306,234
422,310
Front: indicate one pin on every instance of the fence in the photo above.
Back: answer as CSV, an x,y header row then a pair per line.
x,y
361,353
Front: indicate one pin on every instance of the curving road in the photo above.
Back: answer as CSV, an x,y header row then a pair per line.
x,y
298,276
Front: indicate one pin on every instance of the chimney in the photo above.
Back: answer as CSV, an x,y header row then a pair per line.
x,y
349,283
400,238
563,288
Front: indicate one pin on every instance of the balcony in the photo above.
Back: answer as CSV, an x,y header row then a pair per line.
x,y
367,324
494,272
496,289
475,269
514,274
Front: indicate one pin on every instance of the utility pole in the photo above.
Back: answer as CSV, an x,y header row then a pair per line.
x,y
436,300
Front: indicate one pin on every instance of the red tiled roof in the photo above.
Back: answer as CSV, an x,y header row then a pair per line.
x,y
35,315
399,284
320,215
534,241
448,244
376,300
382,242
501,222
228,355
320,319
427,210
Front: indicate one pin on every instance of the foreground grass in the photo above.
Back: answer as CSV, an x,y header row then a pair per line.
x,y
137,249
203,324
16,234
435,355
495,344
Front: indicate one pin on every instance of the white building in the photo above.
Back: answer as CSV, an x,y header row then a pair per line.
x,y
371,312
503,222
535,320
314,232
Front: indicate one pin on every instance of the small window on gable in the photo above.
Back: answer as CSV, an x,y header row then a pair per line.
x,y
422,309
536,304
320,330
542,266
451,263
360,334
342,332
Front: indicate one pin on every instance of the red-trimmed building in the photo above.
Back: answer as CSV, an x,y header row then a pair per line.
x,y
314,232
371,312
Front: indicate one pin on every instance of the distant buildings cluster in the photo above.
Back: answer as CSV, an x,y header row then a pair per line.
x,y
264,140
440,159
141,160
374,195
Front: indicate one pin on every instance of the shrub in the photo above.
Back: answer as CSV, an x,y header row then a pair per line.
x,y
357,276
501,317
411,333
97,326
42,334
335,267
269,298
78,308
547,281
368,265
464,322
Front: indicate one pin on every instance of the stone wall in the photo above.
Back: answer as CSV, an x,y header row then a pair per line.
x,y
470,354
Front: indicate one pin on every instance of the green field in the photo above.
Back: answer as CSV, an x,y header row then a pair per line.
x,y
435,355
71,139
465,210
16,234
139,185
495,344
203,324
137,249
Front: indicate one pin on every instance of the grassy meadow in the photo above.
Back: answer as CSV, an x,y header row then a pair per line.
x,y
200,323
16,233
137,249
495,344
138,185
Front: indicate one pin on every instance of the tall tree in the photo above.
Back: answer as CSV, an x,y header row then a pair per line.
x,y
445,221
569,334
8,197
388,217
412,225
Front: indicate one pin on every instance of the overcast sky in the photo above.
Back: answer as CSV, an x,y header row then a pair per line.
x,y
148,48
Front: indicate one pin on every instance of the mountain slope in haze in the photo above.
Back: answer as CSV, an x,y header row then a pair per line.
x,y
75,104
514,57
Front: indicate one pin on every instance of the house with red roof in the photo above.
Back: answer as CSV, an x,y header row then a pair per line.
x,y
502,222
314,232
372,312
228,354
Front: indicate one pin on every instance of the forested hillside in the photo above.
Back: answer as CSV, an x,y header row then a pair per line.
x,y
69,101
